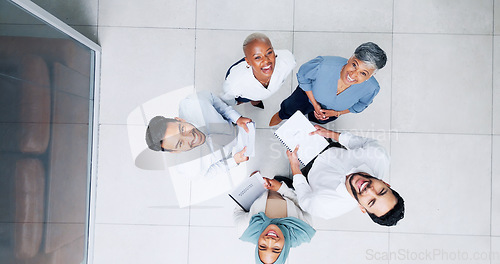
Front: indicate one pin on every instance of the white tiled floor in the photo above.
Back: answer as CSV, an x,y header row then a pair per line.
x,y
418,248
135,243
151,201
245,15
495,199
150,14
341,247
431,16
436,87
437,114
344,16
151,63
456,169
495,249
496,83
497,16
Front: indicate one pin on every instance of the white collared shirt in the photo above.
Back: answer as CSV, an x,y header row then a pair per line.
x,y
326,195
215,118
242,83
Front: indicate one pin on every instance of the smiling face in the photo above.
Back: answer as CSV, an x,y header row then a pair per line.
x,y
181,136
271,243
373,195
259,54
355,71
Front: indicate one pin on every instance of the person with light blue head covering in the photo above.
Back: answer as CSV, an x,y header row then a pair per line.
x,y
275,223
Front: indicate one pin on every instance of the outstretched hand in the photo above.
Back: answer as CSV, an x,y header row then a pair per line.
x,y
240,156
294,160
322,132
242,122
271,184
325,133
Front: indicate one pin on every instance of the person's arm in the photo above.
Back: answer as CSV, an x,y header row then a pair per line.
x,y
305,196
363,102
288,61
316,204
318,112
230,89
224,165
223,109
307,199
352,142
220,167
326,133
347,139
229,113
288,193
330,113
308,72
275,185
369,151
228,95
306,76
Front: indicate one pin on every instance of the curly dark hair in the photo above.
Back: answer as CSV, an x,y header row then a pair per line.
x,y
394,215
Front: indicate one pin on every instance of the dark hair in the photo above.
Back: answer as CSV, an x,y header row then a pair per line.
x,y
371,53
156,131
394,215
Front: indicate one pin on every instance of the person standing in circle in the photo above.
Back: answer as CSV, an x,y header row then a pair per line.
x,y
259,74
275,223
331,86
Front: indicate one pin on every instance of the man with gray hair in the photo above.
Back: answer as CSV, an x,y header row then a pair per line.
x,y
331,86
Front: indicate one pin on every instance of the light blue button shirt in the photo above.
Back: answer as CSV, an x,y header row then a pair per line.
x,y
320,75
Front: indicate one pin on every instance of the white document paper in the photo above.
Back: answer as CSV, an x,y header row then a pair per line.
x,y
246,140
295,131
248,191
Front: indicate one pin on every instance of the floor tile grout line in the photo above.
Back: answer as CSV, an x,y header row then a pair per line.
x,y
318,229
492,127
360,130
297,31
439,234
293,35
390,110
194,86
97,23
142,224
